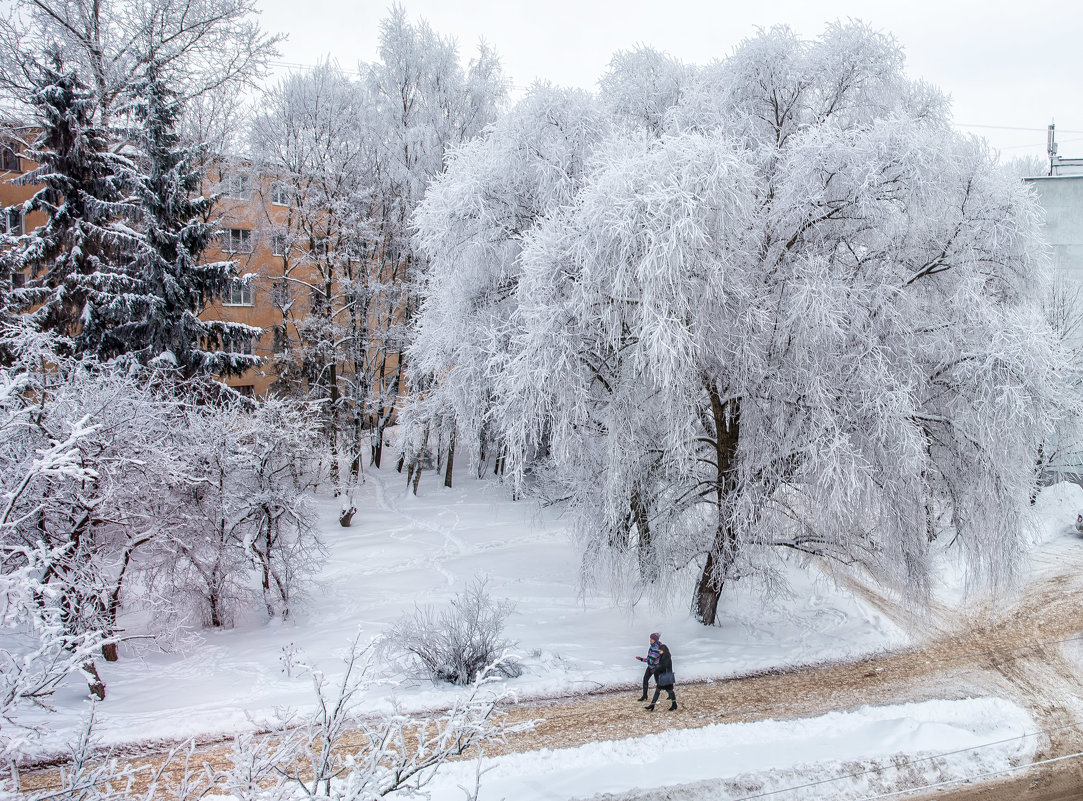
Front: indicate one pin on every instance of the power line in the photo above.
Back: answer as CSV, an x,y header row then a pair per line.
x,y
909,763
1013,128
986,775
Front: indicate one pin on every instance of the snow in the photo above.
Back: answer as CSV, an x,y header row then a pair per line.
x,y
404,550
734,761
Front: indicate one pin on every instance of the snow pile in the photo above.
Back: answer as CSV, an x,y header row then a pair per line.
x,y
841,755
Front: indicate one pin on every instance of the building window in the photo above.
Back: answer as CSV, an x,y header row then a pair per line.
x,y
239,293
9,159
13,220
280,194
280,243
319,246
245,390
237,240
18,280
237,185
240,347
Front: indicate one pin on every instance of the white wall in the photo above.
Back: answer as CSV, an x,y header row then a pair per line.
x,y
1062,198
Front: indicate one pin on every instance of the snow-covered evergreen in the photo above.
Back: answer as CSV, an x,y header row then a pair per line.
x,y
172,284
77,263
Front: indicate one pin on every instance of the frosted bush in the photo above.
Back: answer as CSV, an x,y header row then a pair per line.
x,y
457,643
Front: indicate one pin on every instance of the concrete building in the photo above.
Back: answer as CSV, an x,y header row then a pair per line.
x,y
1061,195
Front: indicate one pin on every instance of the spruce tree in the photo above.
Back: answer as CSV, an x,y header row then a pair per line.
x,y
79,285
171,285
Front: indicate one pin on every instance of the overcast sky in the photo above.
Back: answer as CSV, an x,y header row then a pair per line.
x,y
1006,65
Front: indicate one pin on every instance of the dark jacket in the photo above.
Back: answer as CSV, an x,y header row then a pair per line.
x,y
665,664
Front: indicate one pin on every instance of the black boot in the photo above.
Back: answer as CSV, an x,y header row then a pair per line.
x,y
643,697
673,707
649,708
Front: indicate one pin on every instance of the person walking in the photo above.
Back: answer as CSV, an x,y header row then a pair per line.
x,y
664,678
652,662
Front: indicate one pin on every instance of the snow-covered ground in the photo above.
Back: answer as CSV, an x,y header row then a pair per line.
x,y
404,550
838,756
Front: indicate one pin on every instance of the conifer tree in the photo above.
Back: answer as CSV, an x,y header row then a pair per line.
x,y
78,285
171,285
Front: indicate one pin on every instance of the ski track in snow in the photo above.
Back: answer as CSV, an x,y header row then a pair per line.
x,y
453,546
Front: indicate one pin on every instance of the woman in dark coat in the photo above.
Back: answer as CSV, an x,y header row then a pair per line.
x,y
664,679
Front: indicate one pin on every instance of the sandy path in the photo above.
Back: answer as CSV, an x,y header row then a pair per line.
x,y
1015,649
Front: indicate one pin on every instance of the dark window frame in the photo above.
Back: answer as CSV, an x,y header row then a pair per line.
x,y
237,185
10,160
281,194
239,293
237,240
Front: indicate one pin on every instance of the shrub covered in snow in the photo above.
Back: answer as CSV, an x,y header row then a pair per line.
x,y
457,643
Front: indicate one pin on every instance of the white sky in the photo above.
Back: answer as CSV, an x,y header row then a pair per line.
x,y
1016,64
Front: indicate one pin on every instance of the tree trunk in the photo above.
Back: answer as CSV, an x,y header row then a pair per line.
x,y
725,415
112,609
93,680
378,448
332,429
648,566
708,592
482,454
355,457
417,477
265,565
450,457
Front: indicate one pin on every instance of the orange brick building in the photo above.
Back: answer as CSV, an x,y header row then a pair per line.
x,y
247,218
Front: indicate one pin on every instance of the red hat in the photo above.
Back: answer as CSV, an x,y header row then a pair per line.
x,y
655,635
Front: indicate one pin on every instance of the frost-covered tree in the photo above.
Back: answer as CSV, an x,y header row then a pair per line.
x,y
313,140
805,319
425,105
473,222
350,160
111,484
200,46
641,86
76,262
39,649
116,266
86,516
171,286
245,529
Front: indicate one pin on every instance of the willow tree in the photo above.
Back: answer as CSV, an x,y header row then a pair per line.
x,y
805,317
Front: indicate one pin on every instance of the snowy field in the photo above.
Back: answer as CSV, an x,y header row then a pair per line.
x,y
404,550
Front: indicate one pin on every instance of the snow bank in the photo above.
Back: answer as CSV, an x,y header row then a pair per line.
x,y
838,756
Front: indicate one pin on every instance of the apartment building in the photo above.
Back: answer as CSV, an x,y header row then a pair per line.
x,y
248,213
12,193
